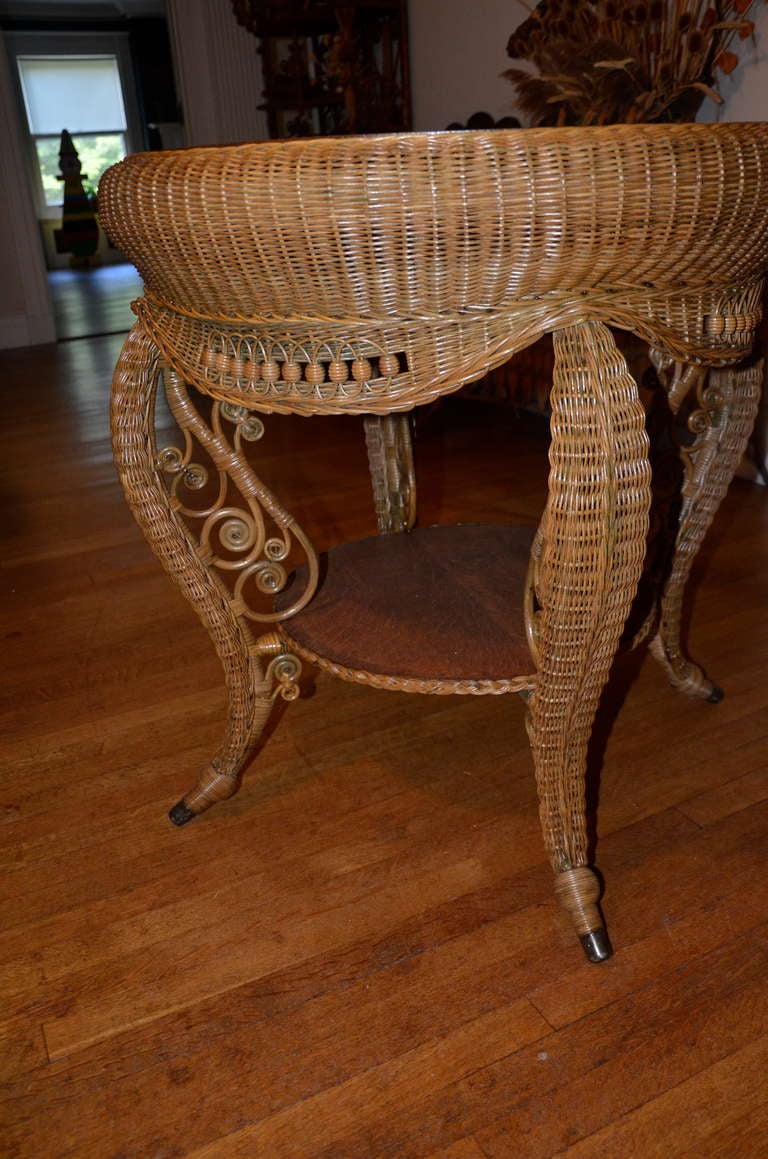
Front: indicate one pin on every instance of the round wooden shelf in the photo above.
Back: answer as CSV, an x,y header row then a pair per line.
x,y
434,604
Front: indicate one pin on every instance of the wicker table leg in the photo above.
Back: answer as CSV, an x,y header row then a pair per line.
x,y
390,459
722,421
250,677
590,558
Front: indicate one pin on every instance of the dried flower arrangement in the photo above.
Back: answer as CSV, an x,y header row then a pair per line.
x,y
606,61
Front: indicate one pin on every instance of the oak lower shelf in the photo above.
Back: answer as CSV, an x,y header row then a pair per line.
x,y
440,605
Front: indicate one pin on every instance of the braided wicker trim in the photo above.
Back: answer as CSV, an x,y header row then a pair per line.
x,y
410,683
723,321
362,366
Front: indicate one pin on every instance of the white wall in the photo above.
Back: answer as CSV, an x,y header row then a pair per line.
x,y
218,73
26,315
458,49
746,89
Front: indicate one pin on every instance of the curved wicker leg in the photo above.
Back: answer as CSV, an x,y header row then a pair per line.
x,y
250,688
390,458
591,552
722,422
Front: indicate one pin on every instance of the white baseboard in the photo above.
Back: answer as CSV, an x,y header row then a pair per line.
x,y
26,330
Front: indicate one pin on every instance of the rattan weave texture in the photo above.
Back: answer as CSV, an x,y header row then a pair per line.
x,y
371,274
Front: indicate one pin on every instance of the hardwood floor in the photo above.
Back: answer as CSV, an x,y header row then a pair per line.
x,y
92,302
359,956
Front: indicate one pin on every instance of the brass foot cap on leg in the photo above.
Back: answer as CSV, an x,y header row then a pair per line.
x,y
596,945
716,695
181,813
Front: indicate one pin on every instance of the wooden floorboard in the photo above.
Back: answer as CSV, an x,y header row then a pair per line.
x,y
358,956
93,301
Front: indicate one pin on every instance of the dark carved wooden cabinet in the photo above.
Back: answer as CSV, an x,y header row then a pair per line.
x,y
332,68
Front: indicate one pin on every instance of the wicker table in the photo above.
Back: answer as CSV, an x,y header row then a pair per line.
x,y
371,275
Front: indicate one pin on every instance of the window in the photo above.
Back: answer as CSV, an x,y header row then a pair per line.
x,y
82,94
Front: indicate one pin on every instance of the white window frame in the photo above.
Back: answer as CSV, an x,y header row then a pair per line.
x,y
75,44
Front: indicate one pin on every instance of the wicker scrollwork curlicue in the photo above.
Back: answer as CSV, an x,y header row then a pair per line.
x,y
233,535
283,669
